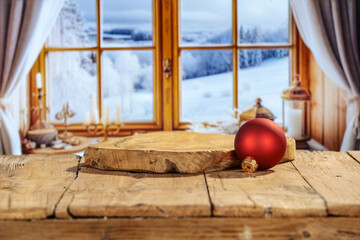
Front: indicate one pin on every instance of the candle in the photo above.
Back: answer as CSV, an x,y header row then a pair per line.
x,y
38,80
117,116
103,118
294,119
93,101
87,118
93,116
96,116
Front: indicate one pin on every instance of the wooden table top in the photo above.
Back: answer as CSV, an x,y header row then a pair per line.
x,y
316,185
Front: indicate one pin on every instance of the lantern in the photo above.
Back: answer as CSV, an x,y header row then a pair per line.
x,y
296,112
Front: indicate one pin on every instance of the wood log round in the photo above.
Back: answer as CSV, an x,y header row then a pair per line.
x,y
162,152
42,136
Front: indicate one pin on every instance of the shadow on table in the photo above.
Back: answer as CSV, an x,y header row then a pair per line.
x,y
229,173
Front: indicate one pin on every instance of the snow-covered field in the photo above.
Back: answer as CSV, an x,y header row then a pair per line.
x,y
210,98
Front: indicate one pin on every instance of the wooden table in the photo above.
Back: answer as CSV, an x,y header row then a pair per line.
x,y
317,196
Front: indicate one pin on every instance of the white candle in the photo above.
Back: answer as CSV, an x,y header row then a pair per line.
x,y
96,116
93,101
93,116
294,120
118,116
87,118
38,80
103,118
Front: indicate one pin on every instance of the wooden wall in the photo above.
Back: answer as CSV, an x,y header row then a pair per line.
x,y
328,108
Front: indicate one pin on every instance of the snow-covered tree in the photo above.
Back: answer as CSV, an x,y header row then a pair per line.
x,y
75,72
72,72
70,29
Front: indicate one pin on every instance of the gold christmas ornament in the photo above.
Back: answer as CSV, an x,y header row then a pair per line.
x,y
256,111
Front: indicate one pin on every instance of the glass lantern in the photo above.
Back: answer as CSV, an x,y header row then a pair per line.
x,y
296,112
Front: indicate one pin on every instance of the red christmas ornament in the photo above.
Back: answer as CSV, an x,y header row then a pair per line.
x,y
260,143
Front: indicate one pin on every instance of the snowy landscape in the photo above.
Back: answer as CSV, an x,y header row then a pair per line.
x,y
206,89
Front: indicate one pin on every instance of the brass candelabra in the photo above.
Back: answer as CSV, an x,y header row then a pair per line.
x,y
64,114
103,129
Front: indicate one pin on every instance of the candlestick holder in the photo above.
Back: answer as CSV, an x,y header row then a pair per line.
x,y
101,129
38,111
64,114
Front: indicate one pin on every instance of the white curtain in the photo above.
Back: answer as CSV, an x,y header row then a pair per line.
x,y
330,29
24,27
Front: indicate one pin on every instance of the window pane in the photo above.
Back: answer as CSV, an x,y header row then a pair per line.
x,y
263,21
71,78
75,26
127,23
263,73
128,83
206,86
205,22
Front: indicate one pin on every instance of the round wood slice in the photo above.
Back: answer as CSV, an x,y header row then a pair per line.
x,y
161,152
42,136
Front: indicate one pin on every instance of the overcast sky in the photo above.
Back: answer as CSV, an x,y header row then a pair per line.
x,y
201,13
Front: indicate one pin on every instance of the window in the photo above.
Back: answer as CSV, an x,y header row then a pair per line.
x,y
227,54
223,55
109,49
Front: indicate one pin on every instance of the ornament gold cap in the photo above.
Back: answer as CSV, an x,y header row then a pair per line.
x,y
256,111
249,164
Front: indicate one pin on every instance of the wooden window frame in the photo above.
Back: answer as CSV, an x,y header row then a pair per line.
x,y
166,39
129,127
234,47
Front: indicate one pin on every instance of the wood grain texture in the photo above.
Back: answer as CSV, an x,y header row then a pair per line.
x,y
278,192
42,136
355,155
32,185
290,150
331,115
328,108
161,152
342,114
99,193
184,228
335,176
317,100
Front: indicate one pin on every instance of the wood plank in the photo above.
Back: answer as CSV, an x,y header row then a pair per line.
x,y
278,192
98,193
161,152
342,115
304,63
335,176
355,155
317,100
331,107
31,185
185,228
